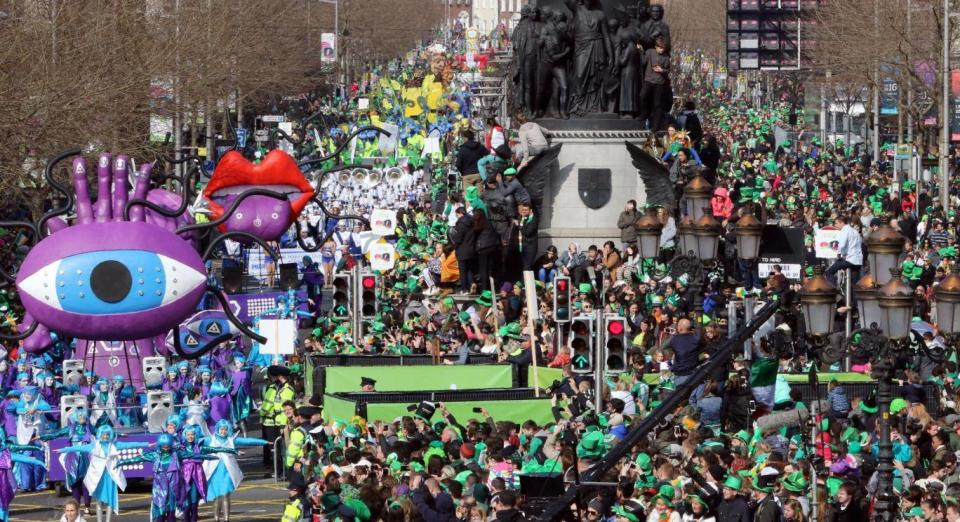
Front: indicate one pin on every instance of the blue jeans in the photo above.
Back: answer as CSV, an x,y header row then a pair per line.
x,y
751,277
546,276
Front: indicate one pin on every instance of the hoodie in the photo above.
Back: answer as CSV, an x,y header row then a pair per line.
x,y
721,203
468,155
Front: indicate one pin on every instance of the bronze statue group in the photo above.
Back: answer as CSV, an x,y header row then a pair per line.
x,y
579,61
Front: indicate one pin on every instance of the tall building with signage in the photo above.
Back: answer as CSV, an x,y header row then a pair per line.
x,y
769,34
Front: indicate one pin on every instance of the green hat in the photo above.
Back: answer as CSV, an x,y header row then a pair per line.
x,y
585,288
510,172
329,502
915,511
795,482
698,500
644,462
620,511
666,494
464,317
849,434
317,332
755,484
898,405
591,445
733,482
485,299
743,436
511,330
448,301
854,448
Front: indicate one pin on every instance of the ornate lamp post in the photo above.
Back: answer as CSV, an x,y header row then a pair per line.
x,y
884,246
687,237
696,197
748,231
707,234
818,302
947,299
649,229
889,307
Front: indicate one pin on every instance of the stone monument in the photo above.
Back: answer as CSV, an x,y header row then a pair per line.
x,y
587,95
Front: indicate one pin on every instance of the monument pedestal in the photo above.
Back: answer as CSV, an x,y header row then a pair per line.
x,y
593,145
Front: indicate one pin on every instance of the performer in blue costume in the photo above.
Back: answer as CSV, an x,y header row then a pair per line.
x,y
75,465
104,477
240,387
8,483
223,474
30,423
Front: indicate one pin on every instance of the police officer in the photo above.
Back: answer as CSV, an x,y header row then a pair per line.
x,y
271,409
295,510
299,438
367,384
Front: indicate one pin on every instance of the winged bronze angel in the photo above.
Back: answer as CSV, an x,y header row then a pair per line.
x,y
533,176
656,177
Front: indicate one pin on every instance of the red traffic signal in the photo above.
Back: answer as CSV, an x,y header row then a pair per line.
x,y
368,282
562,285
615,327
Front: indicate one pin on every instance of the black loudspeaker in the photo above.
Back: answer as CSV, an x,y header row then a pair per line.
x,y
539,485
289,276
232,277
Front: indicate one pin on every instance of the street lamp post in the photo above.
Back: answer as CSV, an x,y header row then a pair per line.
x,y
891,307
648,229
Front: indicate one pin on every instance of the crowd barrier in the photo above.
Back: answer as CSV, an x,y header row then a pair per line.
x,y
341,373
502,404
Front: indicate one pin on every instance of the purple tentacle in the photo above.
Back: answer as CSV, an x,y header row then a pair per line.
x,y
103,209
82,191
121,187
140,191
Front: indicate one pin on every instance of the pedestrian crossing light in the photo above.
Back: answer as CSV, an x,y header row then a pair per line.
x,y
616,330
581,342
368,296
561,300
342,296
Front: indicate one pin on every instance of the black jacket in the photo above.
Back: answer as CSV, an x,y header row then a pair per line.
x,y
509,515
528,231
735,411
468,155
488,238
439,509
735,510
464,238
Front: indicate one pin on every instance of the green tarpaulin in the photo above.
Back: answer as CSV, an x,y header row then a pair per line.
x,y
416,378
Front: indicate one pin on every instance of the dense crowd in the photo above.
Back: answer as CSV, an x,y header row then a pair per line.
x,y
718,459
466,230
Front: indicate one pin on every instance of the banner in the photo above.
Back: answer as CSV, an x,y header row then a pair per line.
x,y
328,48
257,263
382,256
955,105
890,92
781,246
826,242
281,336
383,222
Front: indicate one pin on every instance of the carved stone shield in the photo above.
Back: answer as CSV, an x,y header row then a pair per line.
x,y
595,187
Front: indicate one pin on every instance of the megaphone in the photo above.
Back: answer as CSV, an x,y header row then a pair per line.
x,y
359,176
374,178
344,178
394,174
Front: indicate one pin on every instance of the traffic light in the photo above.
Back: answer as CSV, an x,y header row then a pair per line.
x,y
616,337
368,296
561,299
342,296
581,342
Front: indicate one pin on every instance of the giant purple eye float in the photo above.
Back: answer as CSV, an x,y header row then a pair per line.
x,y
106,278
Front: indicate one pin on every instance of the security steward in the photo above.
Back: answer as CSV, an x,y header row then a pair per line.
x,y
299,439
271,409
296,507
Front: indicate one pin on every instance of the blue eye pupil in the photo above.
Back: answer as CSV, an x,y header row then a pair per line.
x,y
111,281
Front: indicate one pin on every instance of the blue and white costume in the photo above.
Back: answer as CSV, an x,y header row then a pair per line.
x,y
224,475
